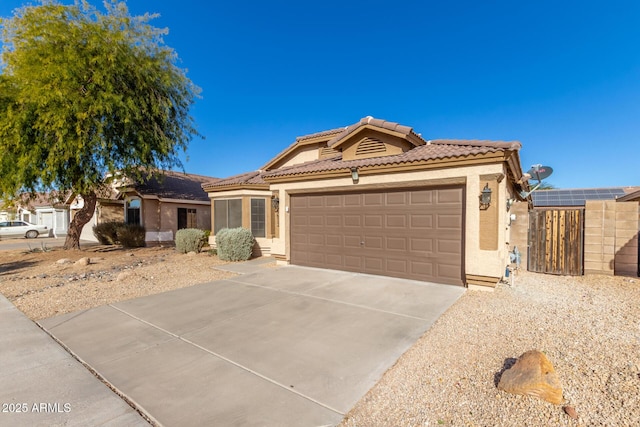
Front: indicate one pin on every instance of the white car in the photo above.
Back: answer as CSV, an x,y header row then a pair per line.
x,y
22,228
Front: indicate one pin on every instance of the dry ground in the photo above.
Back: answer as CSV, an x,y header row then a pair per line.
x,y
45,284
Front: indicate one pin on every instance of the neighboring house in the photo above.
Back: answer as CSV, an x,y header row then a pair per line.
x,y
375,197
44,209
163,204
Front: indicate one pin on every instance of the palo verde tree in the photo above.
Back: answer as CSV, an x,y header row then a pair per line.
x,y
84,95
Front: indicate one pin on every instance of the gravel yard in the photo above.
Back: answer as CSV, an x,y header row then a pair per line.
x,y
47,284
589,327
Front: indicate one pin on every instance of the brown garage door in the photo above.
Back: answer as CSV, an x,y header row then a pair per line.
x,y
413,234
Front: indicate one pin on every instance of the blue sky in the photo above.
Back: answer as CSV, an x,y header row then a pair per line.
x,y
562,77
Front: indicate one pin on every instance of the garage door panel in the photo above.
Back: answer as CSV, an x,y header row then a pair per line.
x,y
351,241
397,266
352,221
451,247
449,196
374,242
352,263
375,220
421,197
453,222
333,220
396,244
334,261
352,200
315,221
421,221
333,240
421,245
415,233
316,239
422,268
374,265
373,199
313,202
396,220
396,199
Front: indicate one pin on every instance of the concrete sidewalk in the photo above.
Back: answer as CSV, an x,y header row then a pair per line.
x,y
42,385
275,346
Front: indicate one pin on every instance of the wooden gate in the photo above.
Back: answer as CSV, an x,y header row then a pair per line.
x,y
556,241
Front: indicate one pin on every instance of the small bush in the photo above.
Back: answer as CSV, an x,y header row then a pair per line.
x,y
205,237
189,240
114,232
107,232
234,244
131,235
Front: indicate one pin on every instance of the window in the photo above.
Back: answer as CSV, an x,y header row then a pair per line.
x,y
132,213
227,214
187,218
258,217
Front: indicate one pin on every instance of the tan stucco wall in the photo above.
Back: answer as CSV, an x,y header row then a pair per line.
x,y
109,212
303,154
149,215
478,262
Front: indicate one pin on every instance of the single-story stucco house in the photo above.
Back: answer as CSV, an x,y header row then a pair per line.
x,y
376,197
163,204
47,209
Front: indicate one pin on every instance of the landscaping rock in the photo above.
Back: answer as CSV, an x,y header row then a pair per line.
x,y
124,276
63,261
571,411
533,375
83,261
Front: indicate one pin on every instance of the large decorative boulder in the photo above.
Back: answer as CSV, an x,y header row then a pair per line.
x,y
533,375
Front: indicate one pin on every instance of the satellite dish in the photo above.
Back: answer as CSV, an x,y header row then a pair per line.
x,y
540,172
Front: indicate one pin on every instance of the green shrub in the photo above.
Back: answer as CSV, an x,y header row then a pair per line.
x,y
131,235
189,240
205,237
107,232
234,244
114,232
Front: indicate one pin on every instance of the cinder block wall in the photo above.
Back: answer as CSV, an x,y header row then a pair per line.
x,y
626,258
611,237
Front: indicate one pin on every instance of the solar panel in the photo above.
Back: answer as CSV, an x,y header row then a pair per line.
x,y
574,197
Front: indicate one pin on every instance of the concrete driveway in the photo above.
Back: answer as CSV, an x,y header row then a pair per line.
x,y
275,346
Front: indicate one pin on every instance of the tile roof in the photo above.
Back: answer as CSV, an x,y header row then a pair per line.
x,y
249,178
174,185
432,150
322,133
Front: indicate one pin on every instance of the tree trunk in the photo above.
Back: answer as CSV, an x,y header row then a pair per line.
x,y
81,217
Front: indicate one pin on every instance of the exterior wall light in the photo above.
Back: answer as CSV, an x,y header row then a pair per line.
x,y
354,175
275,203
485,197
